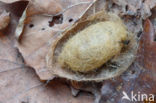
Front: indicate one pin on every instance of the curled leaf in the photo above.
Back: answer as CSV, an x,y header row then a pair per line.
x,y
20,26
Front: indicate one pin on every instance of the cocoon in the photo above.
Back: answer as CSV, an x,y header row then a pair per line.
x,y
93,49
90,48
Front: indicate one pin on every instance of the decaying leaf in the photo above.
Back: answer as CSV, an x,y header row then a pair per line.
x,y
40,30
49,7
20,84
147,43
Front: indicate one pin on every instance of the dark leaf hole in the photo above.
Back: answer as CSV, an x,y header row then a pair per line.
x,y
56,20
70,20
31,25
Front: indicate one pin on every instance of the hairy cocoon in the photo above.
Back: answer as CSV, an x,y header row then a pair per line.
x,y
90,48
96,44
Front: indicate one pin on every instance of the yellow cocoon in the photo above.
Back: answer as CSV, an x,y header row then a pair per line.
x,y
92,47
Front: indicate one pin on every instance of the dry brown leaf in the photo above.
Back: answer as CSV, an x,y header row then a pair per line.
x,y
41,29
20,84
148,43
50,7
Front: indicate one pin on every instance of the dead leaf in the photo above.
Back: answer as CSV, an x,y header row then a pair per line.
x,y
49,7
20,84
39,31
147,50
136,80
